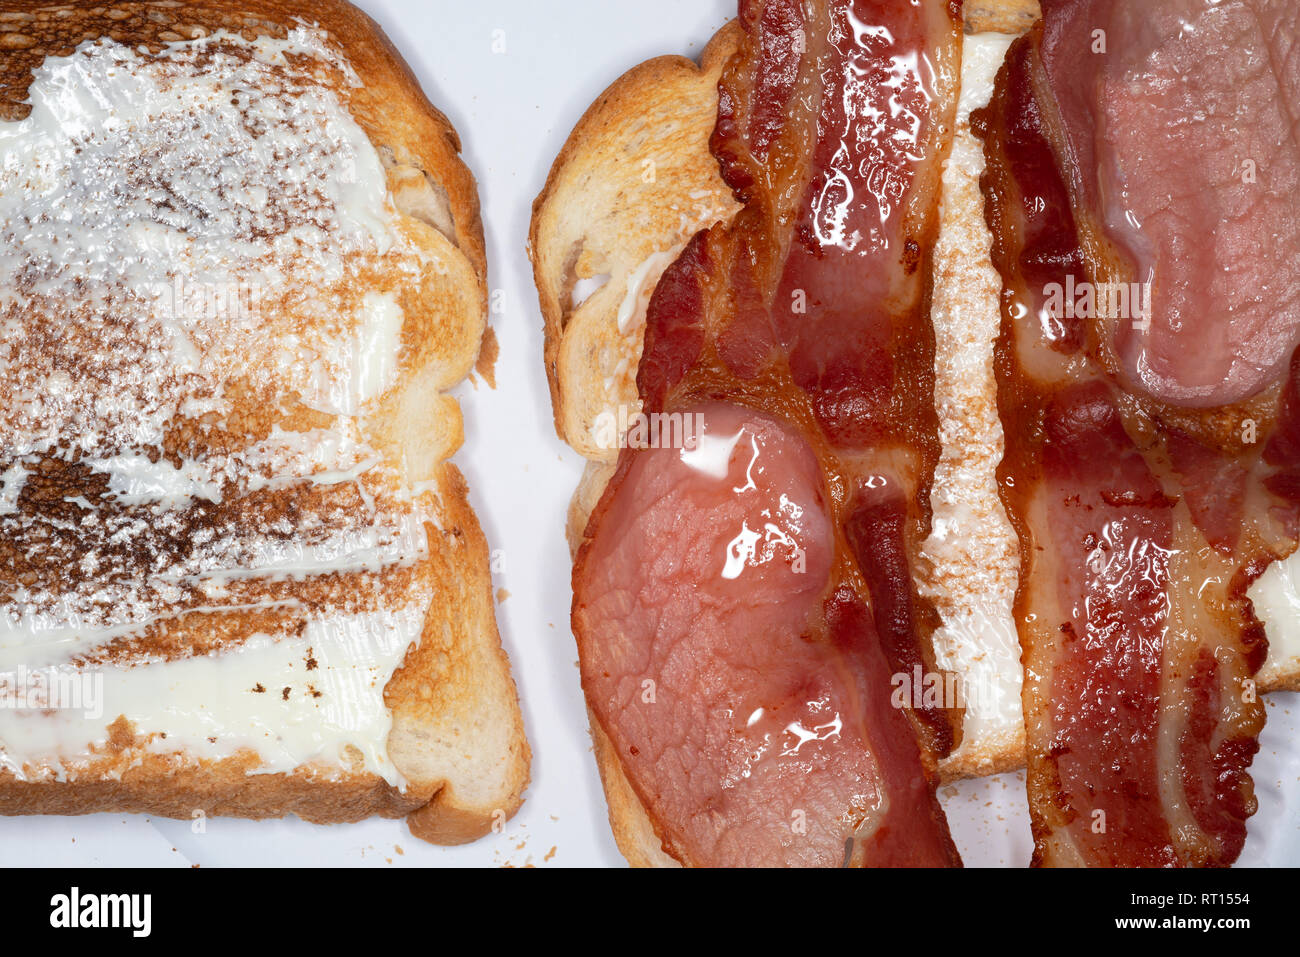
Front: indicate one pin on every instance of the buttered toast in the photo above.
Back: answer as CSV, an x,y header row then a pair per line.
x,y
243,264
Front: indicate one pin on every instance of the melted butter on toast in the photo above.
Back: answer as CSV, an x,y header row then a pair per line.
x,y
206,286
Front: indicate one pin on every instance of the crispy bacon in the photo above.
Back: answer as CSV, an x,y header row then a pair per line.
x,y
1148,456
741,608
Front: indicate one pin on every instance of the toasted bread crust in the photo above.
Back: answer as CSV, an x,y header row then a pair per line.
x,y
462,691
999,16
633,830
161,786
598,214
453,693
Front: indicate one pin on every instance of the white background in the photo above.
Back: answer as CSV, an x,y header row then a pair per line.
x,y
513,111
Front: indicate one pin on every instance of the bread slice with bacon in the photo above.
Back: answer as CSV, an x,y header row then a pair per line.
x,y
600,222
244,265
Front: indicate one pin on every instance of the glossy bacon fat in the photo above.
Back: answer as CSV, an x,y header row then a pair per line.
x,y
741,604
1148,391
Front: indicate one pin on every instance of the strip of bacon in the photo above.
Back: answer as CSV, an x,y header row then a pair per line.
x,y
1145,505
742,606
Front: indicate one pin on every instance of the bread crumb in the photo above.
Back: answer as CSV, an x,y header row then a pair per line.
x,y
487,357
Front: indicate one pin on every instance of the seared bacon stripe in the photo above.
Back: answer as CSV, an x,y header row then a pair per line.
x,y
1145,506
741,606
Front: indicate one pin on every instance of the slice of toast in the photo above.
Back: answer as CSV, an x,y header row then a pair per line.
x,y
634,182
244,264
969,563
